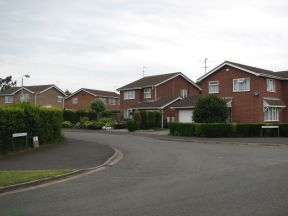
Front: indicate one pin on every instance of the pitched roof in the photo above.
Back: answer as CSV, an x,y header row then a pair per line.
x,y
186,102
102,93
157,104
32,89
155,80
250,69
95,92
274,102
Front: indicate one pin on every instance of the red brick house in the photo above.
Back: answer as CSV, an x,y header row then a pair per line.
x,y
82,99
156,93
252,94
42,95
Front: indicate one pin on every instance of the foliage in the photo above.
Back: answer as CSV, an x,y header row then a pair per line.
x,y
224,130
210,109
98,107
6,83
148,119
36,121
67,124
107,122
132,125
83,120
67,92
93,125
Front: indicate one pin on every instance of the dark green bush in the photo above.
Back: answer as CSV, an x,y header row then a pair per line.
x,y
213,130
284,130
132,125
107,122
93,125
148,119
67,124
182,129
36,121
247,130
121,125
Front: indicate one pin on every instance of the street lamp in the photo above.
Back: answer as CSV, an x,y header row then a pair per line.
x,y
22,93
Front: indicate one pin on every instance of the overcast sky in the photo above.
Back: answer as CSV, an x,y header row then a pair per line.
x,y
103,44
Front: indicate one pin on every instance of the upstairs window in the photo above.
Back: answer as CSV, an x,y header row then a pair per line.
x,y
213,87
9,99
60,99
129,95
241,84
183,93
112,101
24,97
147,92
271,87
75,101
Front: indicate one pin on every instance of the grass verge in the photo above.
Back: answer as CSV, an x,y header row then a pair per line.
x,y
21,176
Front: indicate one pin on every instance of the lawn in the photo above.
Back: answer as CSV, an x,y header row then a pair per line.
x,y
21,176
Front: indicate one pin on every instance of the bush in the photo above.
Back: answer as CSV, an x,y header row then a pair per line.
x,y
93,125
148,119
67,124
107,122
210,109
224,130
43,122
121,125
83,120
132,125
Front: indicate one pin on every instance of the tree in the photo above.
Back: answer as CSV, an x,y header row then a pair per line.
x,y
98,106
6,83
210,109
67,92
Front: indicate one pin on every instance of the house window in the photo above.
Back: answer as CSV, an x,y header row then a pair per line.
x,y
24,97
271,87
147,92
118,101
59,99
241,84
75,101
112,101
127,114
102,99
9,99
271,114
129,95
183,93
213,87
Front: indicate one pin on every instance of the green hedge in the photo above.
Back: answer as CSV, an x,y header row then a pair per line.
x,y
75,116
36,121
148,119
224,130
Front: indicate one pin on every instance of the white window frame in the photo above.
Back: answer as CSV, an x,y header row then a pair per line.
x,y
214,83
129,95
241,80
59,99
127,114
271,114
103,99
75,100
9,99
24,98
271,85
183,93
112,101
147,93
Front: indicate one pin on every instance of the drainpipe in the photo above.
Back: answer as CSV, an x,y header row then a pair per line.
x,y
35,101
162,119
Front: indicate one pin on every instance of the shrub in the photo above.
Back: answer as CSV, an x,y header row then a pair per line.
x,y
107,122
93,125
213,130
43,122
284,130
67,124
148,119
132,125
83,120
121,125
182,129
247,130
98,107
210,109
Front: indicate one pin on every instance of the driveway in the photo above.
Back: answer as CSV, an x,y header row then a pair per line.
x,y
161,177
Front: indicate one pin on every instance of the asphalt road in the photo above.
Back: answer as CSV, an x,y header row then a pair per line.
x,y
158,177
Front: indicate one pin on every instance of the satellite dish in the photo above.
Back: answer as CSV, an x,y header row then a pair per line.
x,y
256,93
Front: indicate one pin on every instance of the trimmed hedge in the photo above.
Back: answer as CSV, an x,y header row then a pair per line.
x,y
36,121
75,116
224,130
148,119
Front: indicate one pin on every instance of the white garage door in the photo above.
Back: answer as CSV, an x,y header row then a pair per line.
x,y
185,115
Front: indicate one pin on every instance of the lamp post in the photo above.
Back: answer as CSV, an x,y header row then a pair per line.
x,y
22,93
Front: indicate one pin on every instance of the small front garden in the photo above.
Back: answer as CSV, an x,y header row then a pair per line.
x,y
16,177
